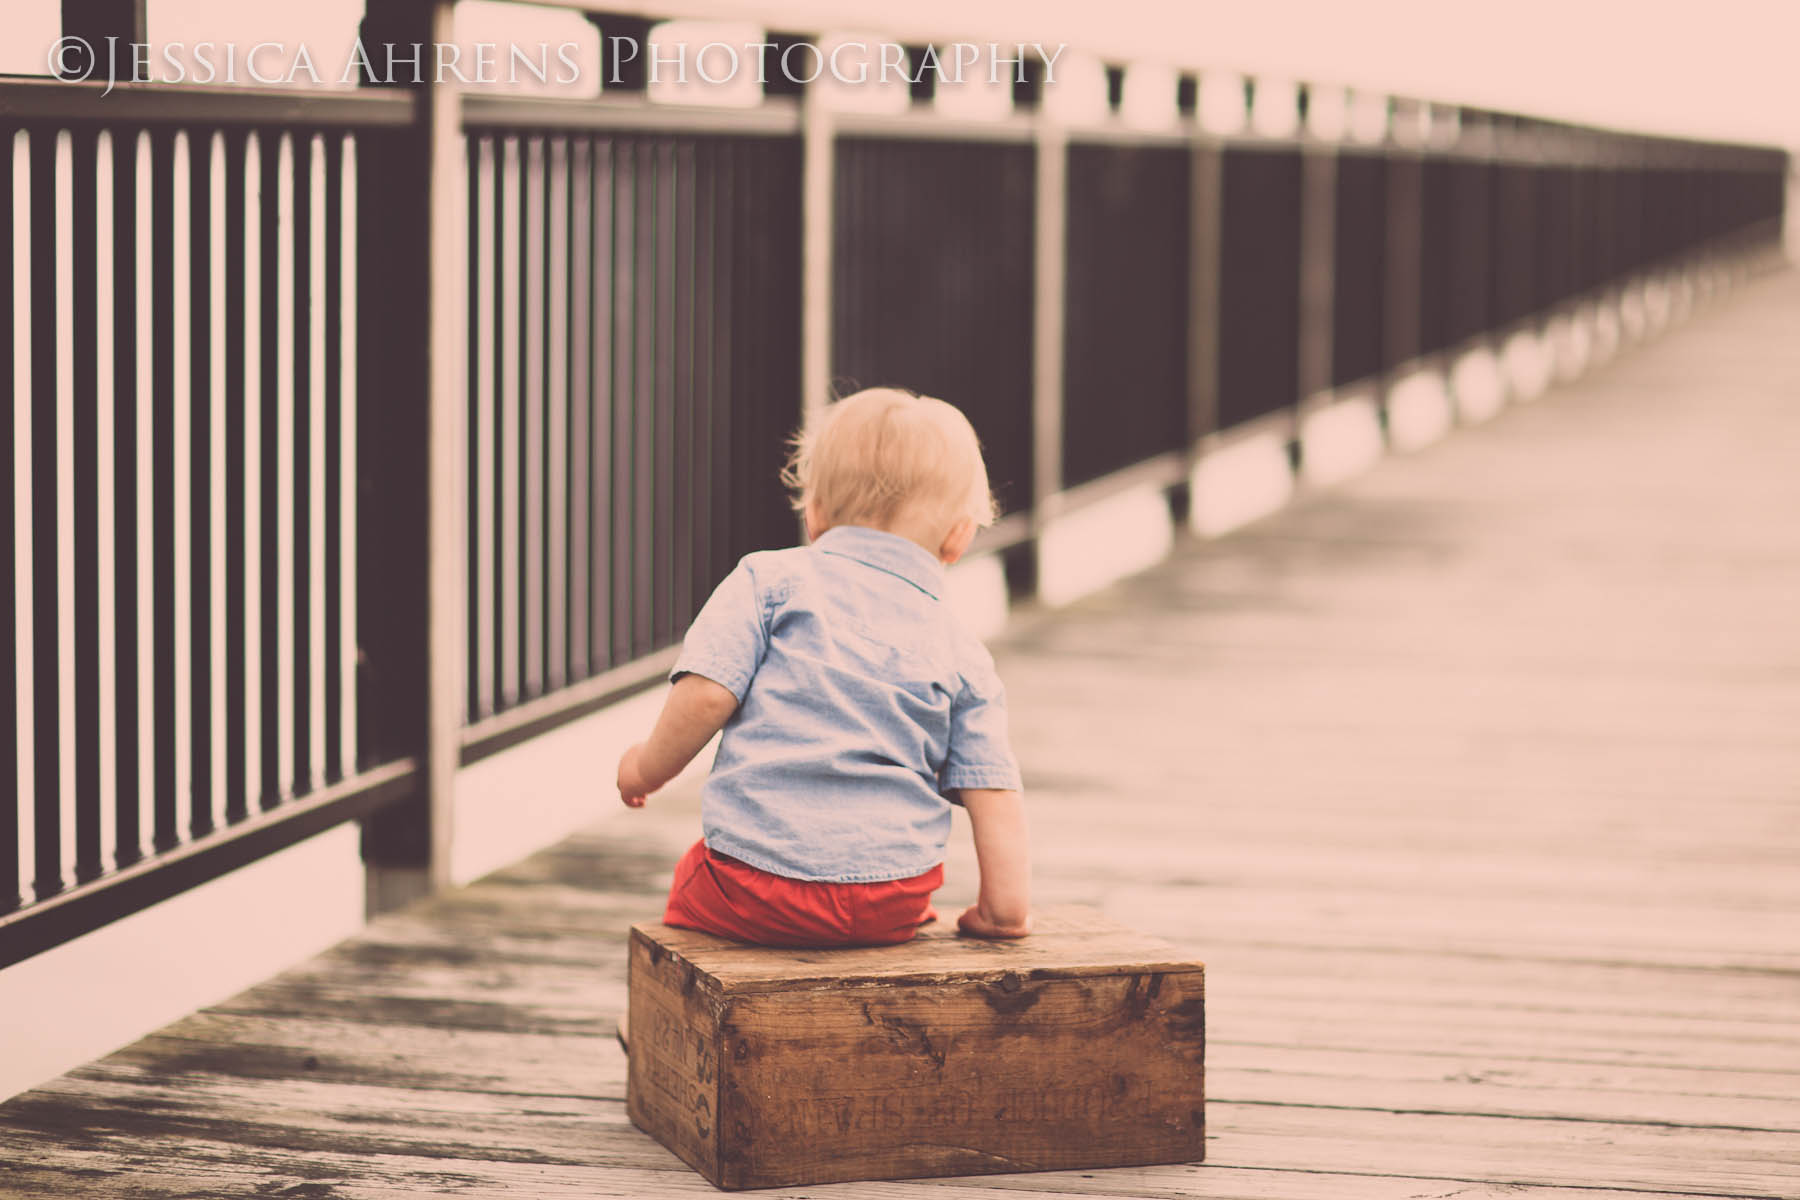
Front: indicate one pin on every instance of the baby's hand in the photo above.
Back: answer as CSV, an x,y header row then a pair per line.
x,y
633,787
976,923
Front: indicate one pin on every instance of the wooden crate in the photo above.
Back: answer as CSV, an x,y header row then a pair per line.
x,y
1081,1046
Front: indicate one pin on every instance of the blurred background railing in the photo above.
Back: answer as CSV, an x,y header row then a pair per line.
x,y
359,436
932,278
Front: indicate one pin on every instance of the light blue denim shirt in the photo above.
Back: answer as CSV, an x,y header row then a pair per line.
x,y
861,703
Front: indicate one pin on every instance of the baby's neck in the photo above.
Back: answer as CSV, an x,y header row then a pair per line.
x,y
913,531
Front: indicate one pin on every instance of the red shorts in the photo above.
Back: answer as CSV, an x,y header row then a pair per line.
x,y
720,894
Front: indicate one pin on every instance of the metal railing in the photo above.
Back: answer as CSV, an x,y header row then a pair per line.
x,y
633,369
359,436
1257,368
1126,314
181,508
929,235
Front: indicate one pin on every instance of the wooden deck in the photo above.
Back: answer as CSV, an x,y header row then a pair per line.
x,y
1476,783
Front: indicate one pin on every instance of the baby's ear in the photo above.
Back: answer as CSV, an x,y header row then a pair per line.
x,y
815,521
956,542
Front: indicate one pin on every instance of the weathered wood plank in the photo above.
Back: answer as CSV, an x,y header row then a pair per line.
x,y
117,1120
1441,1078
1497,1091
327,1050
346,1177
1600,1038
1067,942
1553,1152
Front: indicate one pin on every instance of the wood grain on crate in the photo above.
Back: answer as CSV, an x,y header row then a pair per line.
x,y
1082,1046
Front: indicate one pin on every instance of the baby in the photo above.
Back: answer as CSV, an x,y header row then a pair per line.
x,y
855,709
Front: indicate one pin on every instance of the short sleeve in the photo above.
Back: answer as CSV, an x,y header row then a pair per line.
x,y
980,749
727,641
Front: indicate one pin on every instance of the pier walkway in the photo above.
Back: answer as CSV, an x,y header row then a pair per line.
x,y
1475,781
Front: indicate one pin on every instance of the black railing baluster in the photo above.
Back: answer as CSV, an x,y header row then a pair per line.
x,y
624,392
83,217
307,653
747,346
1586,240
678,603
603,401
705,318
749,330
1659,194
1357,278
46,751
130,559
577,451
663,401
642,569
240,638
1616,220
1471,287
1514,242
1403,263
1437,258
269,498
556,420
509,454
165,833
478,537
12,805
1631,215
197,396
849,209
1550,279
333,623
781,243
727,385
532,401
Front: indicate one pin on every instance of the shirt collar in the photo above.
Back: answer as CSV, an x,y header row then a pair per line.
x,y
888,552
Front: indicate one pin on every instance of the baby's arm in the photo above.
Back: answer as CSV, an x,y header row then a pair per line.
x,y
696,709
1003,851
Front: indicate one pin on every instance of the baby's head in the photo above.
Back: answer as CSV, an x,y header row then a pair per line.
x,y
892,460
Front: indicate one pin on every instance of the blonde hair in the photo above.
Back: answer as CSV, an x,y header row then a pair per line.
x,y
881,450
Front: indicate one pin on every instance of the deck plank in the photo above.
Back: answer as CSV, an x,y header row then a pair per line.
x,y
1474,781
